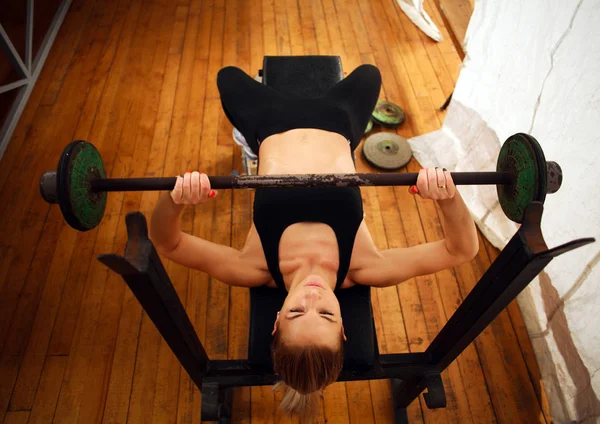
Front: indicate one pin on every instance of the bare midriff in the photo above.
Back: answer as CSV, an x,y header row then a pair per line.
x,y
305,151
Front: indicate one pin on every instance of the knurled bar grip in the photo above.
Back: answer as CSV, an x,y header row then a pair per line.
x,y
299,180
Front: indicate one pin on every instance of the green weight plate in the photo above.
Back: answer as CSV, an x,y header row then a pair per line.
x,y
79,164
369,126
522,156
388,114
386,151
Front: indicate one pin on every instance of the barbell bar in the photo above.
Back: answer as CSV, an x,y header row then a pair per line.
x,y
79,185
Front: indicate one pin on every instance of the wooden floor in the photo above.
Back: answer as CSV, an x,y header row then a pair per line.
x,y
138,80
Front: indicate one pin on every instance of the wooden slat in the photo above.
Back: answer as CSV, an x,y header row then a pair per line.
x,y
46,395
281,28
16,417
33,360
268,26
456,15
24,304
295,29
308,34
321,31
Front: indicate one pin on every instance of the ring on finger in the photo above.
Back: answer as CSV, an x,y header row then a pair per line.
x,y
441,178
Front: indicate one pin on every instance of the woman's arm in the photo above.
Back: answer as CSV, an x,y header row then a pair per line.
x,y
393,266
224,263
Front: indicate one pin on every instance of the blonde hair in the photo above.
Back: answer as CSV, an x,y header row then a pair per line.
x,y
305,371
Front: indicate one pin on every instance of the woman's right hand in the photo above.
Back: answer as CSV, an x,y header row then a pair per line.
x,y
192,188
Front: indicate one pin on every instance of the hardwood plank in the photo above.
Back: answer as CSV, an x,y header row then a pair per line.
x,y
68,310
230,33
16,417
18,310
37,343
456,15
263,404
335,403
119,387
359,402
333,28
7,254
84,13
243,36
417,59
215,59
295,28
281,29
308,33
447,72
321,31
269,28
349,39
450,51
47,393
256,38
141,399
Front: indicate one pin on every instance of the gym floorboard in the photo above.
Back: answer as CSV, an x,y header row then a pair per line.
x,y
138,80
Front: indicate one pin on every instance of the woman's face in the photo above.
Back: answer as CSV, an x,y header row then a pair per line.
x,y
310,314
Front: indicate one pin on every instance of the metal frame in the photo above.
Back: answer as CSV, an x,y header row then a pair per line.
x,y
518,263
28,68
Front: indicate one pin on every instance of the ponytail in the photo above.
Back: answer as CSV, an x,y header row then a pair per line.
x,y
305,371
294,403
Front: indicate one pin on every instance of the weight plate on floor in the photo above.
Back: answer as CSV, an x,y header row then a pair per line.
x,y
387,151
79,164
522,156
388,114
369,126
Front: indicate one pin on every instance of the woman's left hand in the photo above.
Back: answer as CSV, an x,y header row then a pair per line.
x,y
434,183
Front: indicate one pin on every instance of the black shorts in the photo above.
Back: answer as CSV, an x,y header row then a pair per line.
x,y
259,111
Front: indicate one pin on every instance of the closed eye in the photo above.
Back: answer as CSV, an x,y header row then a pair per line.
x,y
326,313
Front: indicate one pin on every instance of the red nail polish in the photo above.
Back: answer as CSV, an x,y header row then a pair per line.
x,y
212,193
414,189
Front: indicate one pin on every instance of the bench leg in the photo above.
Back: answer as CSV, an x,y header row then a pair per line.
x,y
217,403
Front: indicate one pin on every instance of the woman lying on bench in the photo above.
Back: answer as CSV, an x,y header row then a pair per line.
x,y
310,242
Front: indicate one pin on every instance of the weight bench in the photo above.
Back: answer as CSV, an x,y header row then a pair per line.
x,y
410,373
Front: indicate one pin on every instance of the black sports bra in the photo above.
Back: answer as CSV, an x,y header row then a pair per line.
x,y
275,209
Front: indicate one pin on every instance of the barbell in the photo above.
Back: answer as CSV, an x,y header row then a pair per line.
x,y
79,185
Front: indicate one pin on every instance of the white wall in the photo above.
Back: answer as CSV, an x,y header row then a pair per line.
x,y
534,66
